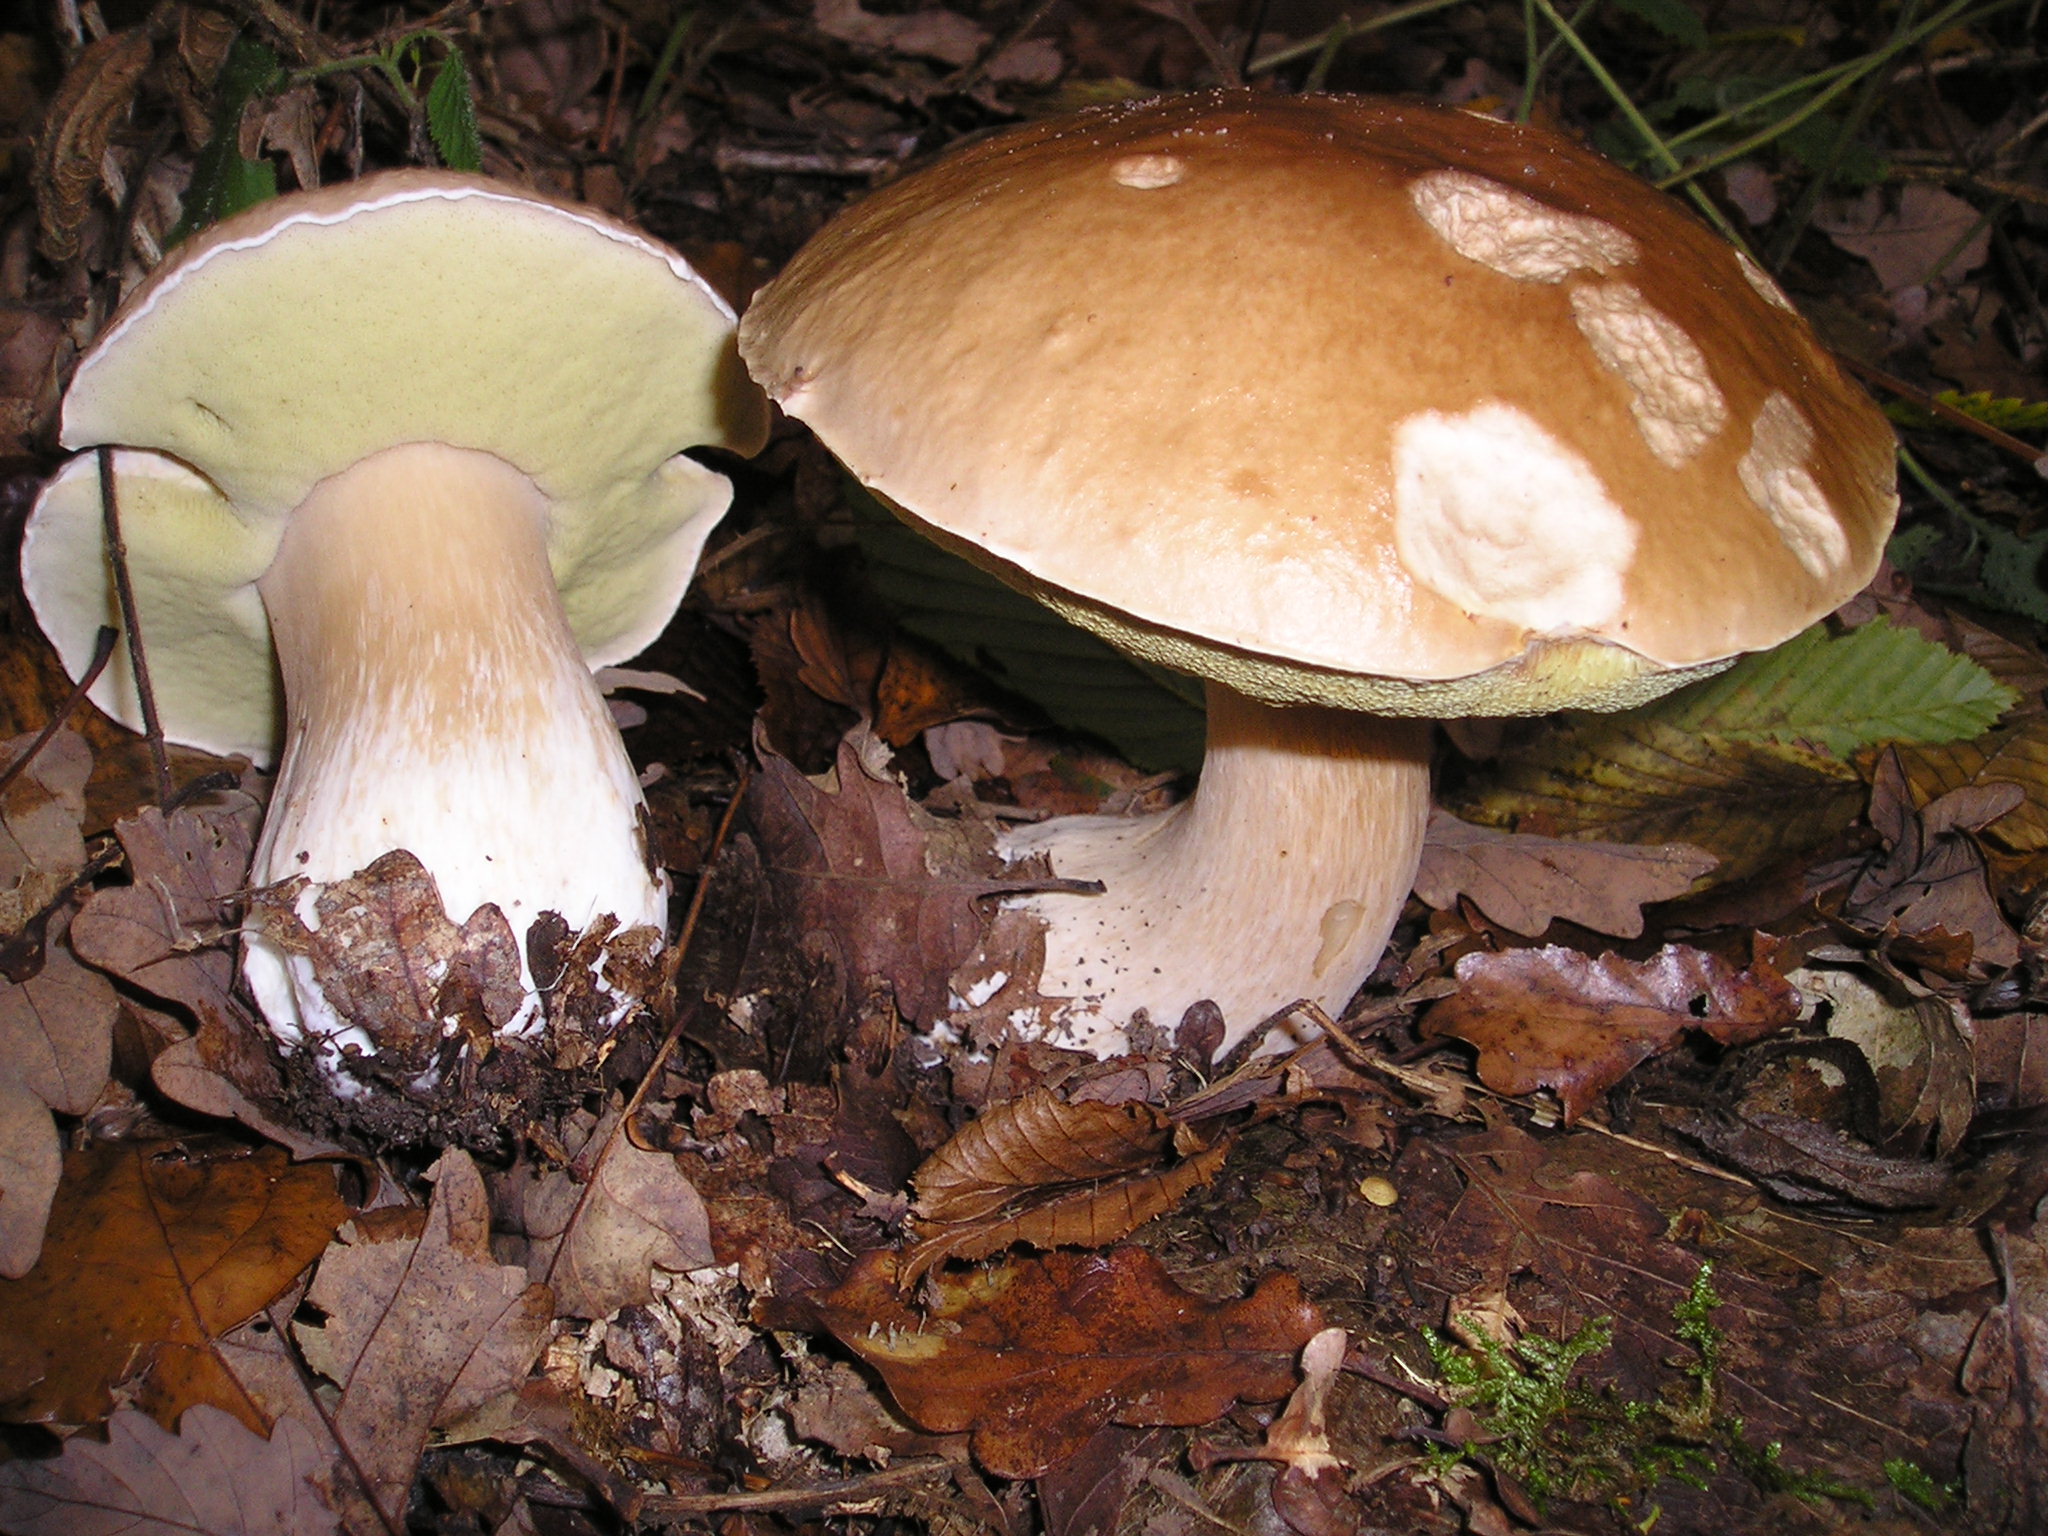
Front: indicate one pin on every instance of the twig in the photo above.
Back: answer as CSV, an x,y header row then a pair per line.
x,y
847,1490
728,158
102,653
1948,413
124,593
1183,11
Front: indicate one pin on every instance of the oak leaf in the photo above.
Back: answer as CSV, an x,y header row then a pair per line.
x,y
154,1251
215,1476
1034,1355
1523,882
1555,1018
421,1326
42,848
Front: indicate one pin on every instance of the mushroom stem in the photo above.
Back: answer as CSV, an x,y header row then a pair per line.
x,y
1279,880
436,701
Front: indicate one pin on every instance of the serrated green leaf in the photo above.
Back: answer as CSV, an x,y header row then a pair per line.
x,y
451,115
1751,765
1674,18
224,181
1842,693
1152,717
2011,570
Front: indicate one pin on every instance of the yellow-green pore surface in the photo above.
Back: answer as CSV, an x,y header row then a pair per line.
x,y
1325,397
308,333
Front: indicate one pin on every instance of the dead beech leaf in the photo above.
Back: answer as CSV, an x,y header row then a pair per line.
x,y
421,1326
1523,882
215,1476
42,848
1032,1141
181,1241
1034,1355
1556,1018
2016,754
596,1240
93,97
1085,1216
891,890
2006,1376
31,1162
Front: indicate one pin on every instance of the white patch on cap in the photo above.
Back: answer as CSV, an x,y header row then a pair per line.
x,y
1677,408
1760,280
1775,475
1146,172
1512,232
1507,522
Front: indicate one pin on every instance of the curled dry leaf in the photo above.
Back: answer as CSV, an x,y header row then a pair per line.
x,y
597,1238
421,1326
1918,1049
1523,882
154,1251
1556,1018
1031,1142
1034,1355
94,96
215,1475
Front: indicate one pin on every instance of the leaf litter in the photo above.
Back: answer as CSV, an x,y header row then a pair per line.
x,y
1851,1175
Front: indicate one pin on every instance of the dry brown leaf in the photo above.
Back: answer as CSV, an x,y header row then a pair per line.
x,y
888,890
1932,875
56,1042
154,1250
214,1476
2016,754
1032,1141
1928,234
1034,1355
1556,1018
93,98
2006,1374
944,35
421,1326
1524,882
31,1162
42,848
1918,1051
597,1239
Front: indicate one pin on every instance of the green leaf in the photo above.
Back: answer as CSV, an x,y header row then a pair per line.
x,y
1753,765
224,181
451,115
1674,18
1152,717
2008,415
1841,693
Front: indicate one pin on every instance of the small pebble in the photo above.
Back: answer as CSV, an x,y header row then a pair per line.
x,y
1378,1191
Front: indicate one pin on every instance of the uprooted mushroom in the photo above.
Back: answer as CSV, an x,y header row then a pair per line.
x,y
1368,414
423,435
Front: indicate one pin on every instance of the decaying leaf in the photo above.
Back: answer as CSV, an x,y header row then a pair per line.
x,y
1039,1170
181,1241
215,1476
1556,1018
939,34
595,1238
1034,1355
892,891
56,1041
2016,754
421,1326
2006,1374
1523,882
1917,1050
41,847
1804,1162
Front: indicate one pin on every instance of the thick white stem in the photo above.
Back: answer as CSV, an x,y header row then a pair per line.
x,y
1279,880
436,701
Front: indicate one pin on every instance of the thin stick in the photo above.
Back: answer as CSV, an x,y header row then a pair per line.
x,y
124,593
102,653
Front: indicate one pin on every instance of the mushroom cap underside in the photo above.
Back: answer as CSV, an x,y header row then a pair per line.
x,y
306,334
1345,387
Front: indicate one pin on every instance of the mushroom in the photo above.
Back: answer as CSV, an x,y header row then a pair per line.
x,y
1368,414
422,434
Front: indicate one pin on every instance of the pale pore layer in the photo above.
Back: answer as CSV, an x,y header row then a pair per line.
x,y
436,701
1279,880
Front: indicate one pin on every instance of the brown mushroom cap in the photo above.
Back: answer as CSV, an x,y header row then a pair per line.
x,y
1329,398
